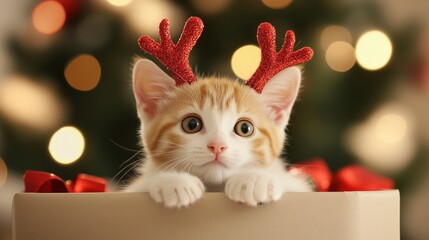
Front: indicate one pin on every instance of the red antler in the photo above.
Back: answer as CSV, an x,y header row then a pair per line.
x,y
273,62
175,56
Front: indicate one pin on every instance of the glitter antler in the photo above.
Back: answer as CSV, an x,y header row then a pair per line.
x,y
273,62
175,56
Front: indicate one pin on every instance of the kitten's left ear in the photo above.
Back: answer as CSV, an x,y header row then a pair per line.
x,y
280,93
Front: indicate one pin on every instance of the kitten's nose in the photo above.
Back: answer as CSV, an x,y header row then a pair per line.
x,y
217,148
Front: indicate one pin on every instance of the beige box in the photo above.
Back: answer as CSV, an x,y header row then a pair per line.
x,y
297,216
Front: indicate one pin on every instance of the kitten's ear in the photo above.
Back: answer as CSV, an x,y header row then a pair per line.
x,y
280,93
150,84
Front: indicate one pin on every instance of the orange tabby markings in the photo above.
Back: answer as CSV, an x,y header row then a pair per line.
x,y
157,133
258,150
270,140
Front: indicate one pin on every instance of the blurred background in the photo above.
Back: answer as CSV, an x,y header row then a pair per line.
x,y
66,104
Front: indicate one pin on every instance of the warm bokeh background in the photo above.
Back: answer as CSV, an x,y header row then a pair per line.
x,y
65,81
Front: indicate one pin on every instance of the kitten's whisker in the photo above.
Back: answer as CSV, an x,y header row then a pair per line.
x,y
175,144
159,154
133,162
166,154
166,164
133,156
171,165
176,162
172,161
125,148
135,165
190,165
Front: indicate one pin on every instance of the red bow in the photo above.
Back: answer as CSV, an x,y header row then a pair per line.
x,y
43,182
349,178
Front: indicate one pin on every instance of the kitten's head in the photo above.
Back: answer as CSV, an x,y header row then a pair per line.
x,y
214,126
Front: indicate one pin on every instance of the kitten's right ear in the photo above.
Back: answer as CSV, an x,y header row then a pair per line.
x,y
150,84
280,93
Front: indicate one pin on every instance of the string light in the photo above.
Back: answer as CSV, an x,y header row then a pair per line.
x,y
340,56
67,145
119,3
276,4
385,141
245,61
33,105
334,33
48,17
373,50
83,72
210,6
3,172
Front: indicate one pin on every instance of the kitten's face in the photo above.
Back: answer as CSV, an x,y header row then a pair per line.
x,y
210,128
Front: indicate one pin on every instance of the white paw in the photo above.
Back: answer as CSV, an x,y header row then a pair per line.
x,y
253,188
176,190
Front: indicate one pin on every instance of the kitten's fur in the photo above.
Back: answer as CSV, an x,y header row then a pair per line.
x,y
180,166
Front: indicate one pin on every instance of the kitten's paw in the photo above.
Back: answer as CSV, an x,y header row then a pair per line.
x,y
253,188
176,190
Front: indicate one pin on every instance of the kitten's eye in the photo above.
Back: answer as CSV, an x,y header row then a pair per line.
x,y
192,124
244,128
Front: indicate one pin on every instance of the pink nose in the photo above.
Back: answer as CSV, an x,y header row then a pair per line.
x,y
217,148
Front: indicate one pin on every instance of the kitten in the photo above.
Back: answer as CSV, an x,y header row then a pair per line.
x,y
213,134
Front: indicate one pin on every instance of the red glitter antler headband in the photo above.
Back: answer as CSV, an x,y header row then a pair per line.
x,y
273,62
176,56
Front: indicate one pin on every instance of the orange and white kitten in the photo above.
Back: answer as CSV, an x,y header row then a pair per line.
x,y
215,133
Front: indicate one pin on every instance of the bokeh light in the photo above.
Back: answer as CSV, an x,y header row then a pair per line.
x,y
340,56
245,61
3,172
373,50
145,16
386,140
210,6
119,3
276,4
83,72
334,33
31,104
391,128
48,17
67,145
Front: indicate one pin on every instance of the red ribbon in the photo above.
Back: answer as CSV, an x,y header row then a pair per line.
x,y
358,178
44,182
318,172
349,178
